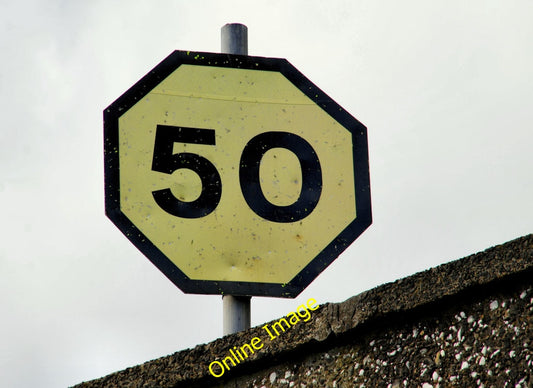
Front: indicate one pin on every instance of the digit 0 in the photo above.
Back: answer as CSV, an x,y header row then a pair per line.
x,y
311,189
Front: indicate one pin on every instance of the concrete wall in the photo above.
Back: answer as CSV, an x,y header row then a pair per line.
x,y
468,323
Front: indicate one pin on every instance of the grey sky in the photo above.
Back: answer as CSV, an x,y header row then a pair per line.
x,y
444,87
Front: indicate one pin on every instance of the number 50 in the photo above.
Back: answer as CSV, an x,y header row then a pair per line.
x,y
165,161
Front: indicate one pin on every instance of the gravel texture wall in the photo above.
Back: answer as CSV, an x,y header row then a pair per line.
x,y
467,323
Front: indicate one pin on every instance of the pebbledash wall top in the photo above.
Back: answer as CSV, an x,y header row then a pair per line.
x,y
444,327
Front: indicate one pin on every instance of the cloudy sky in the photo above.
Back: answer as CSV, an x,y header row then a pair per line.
x,y
444,87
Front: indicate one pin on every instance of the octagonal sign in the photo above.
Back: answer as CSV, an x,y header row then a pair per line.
x,y
235,174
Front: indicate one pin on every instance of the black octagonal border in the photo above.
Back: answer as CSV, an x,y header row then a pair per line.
x,y
174,274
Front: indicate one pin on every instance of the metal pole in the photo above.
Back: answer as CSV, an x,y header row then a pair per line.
x,y
235,309
234,39
235,313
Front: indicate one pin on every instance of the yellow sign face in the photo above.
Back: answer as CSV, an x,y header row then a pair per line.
x,y
232,174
